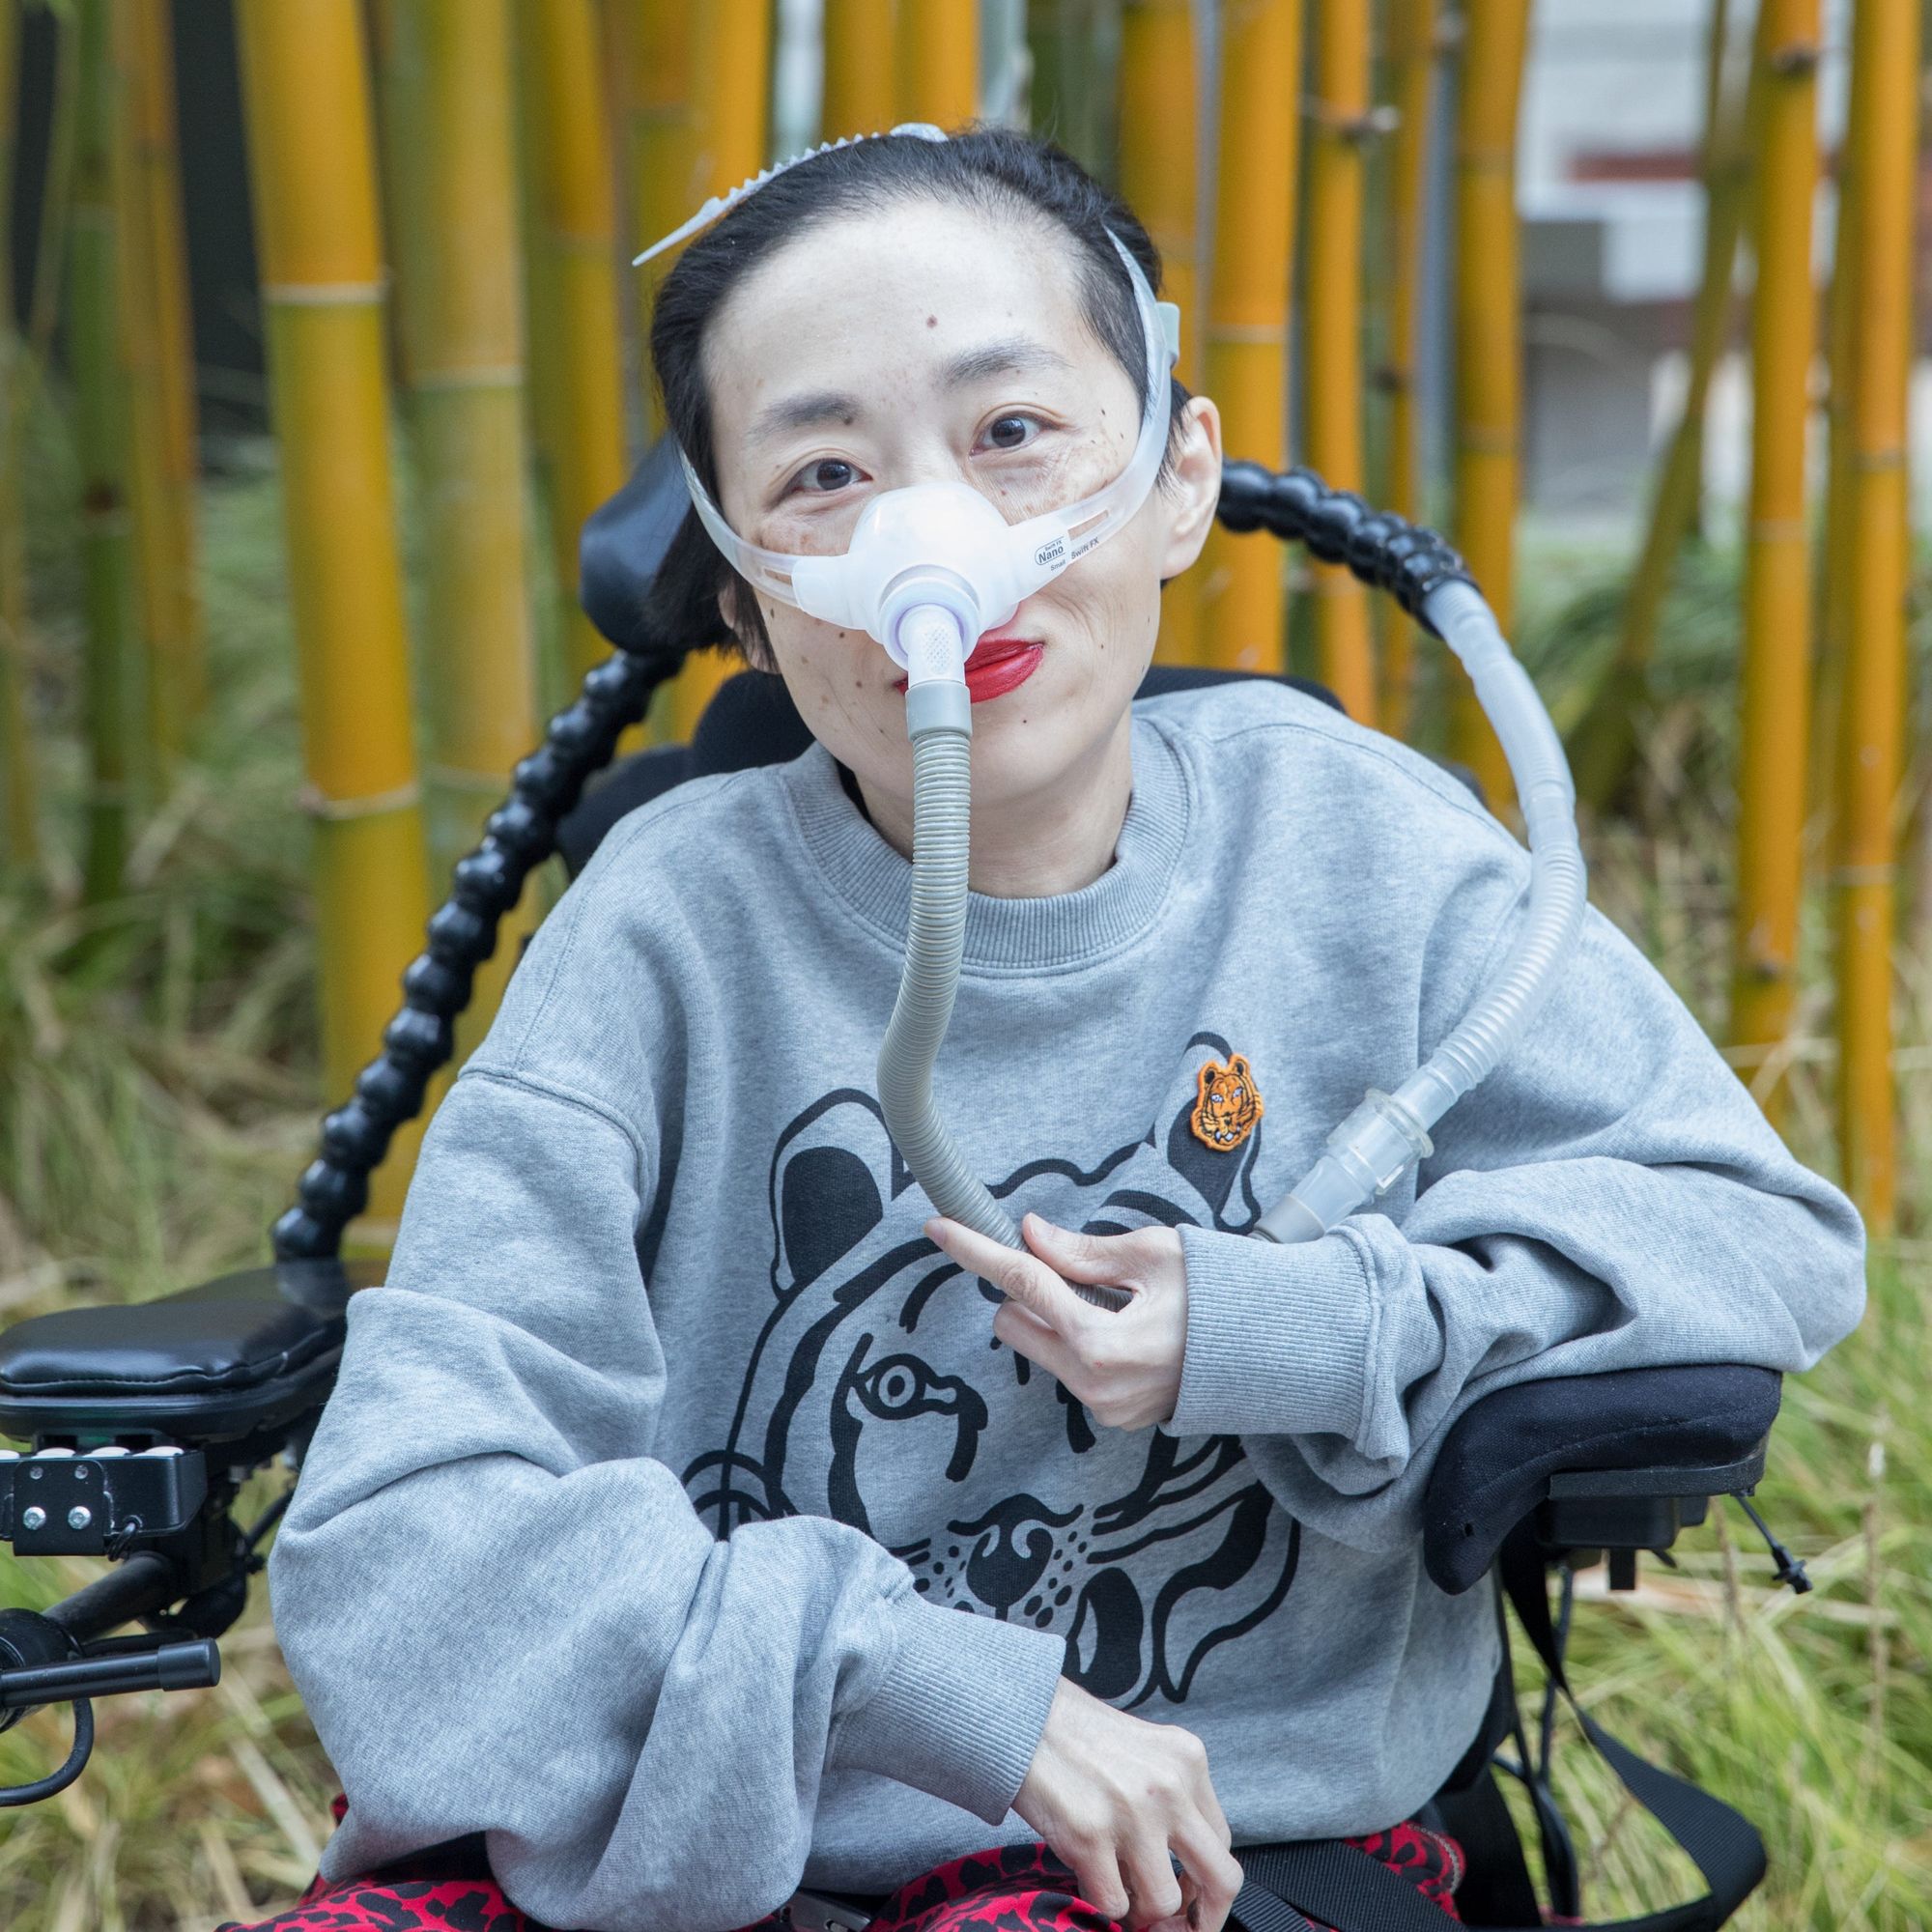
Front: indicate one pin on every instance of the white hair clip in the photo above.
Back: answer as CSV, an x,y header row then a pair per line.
x,y
721,204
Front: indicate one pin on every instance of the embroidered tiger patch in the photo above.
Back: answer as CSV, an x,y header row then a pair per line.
x,y
1227,1103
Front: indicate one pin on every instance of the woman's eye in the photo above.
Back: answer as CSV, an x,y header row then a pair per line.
x,y
828,474
1012,432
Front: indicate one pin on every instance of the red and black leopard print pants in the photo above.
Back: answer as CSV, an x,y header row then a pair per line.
x,y
1010,1889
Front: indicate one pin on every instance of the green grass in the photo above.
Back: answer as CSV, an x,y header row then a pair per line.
x,y
160,1095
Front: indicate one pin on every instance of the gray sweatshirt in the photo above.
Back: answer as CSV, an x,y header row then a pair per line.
x,y
676,1520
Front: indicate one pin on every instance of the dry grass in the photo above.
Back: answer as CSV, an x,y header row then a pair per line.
x,y
159,1097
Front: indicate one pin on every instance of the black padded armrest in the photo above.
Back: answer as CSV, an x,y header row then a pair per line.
x,y
1627,1433
241,1354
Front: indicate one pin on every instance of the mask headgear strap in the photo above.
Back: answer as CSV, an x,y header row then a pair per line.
x,y
723,203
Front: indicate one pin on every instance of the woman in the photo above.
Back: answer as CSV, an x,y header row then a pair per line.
x,y
631,1548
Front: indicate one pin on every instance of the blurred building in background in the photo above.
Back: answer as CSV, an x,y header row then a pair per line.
x,y
1613,210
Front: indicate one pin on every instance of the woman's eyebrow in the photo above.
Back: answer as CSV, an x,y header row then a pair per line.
x,y
1018,355
805,412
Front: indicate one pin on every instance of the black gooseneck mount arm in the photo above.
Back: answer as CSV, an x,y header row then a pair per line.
x,y
1337,526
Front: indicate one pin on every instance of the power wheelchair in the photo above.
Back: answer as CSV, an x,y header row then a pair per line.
x,y
145,1421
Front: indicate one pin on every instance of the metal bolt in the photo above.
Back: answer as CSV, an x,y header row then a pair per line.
x,y
34,1518
80,1517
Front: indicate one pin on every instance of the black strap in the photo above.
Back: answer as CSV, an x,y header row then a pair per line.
x,y
1261,1910
1722,1844
1342,1885
1495,1887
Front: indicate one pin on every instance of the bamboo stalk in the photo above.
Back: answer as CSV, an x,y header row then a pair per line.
x,y
937,58
1776,635
732,53
1884,128
150,506
305,100
1834,565
49,270
1489,347
580,417
463,363
161,322
1332,386
670,172
859,68
114,681
1604,745
1412,57
670,176
1159,179
19,831
1246,363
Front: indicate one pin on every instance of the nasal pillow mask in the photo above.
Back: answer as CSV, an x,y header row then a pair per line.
x,y
931,568
934,566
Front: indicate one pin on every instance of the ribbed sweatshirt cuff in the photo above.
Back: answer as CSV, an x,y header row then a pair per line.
x,y
1278,1337
959,1710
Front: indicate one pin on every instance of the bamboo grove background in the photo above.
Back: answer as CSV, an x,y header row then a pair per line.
x,y
256,696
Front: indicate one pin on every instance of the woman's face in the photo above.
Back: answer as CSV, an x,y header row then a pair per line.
x,y
924,343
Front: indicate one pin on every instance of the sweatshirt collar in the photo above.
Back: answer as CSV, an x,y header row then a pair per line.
x,y
1062,930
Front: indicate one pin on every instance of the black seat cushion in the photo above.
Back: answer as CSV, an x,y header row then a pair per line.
x,y
1495,1463
751,721
214,1359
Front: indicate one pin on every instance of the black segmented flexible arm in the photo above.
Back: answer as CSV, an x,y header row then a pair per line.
x,y
1336,526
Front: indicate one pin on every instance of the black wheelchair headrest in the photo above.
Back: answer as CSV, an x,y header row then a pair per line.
x,y
624,543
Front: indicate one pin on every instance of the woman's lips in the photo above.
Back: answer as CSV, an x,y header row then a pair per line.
x,y
997,666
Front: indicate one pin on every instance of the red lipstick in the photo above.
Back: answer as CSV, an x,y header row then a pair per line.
x,y
998,664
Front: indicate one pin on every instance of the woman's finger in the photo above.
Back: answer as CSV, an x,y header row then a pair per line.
x,y
1111,1261
1150,1875
1213,1874
1028,1336
1013,1271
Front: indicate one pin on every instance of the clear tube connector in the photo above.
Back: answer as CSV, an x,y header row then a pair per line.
x,y
1365,1156
1374,1145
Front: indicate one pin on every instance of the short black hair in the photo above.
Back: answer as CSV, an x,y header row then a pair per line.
x,y
992,169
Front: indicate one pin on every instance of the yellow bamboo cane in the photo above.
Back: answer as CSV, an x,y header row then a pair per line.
x,y
670,176
1332,386
860,70
150,507
1488,345
938,60
115,684
670,172
1776,639
1604,743
160,250
1883,126
305,99
20,834
1833,568
1158,179
462,363
580,423
733,69
1412,56
1246,365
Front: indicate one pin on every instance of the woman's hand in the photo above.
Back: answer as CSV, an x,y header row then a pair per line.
x,y
1114,1796
1122,1366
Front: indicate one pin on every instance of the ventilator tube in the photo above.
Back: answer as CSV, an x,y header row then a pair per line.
x,y
1370,1150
